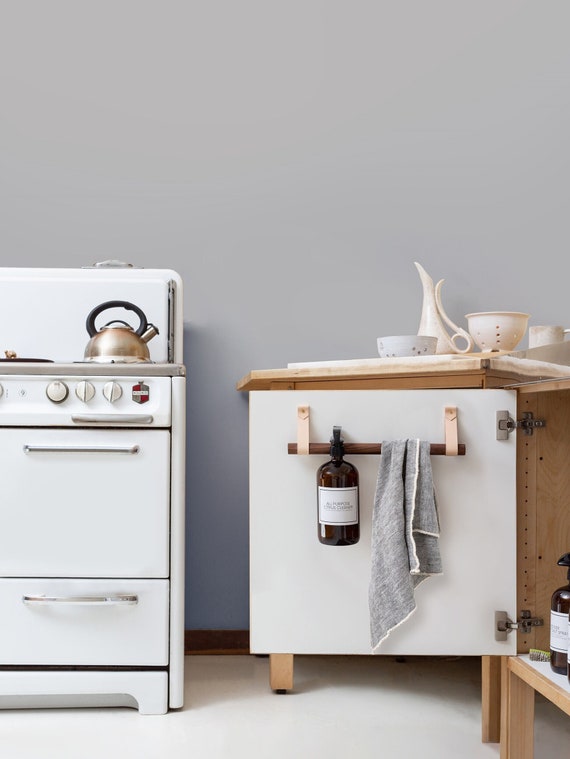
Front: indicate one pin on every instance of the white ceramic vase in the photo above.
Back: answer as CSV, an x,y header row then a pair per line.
x,y
433,317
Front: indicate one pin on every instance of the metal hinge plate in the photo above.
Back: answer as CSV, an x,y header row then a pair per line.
x,y
506,424
503,625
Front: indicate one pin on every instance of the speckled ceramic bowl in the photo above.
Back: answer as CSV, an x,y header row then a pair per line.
x,y
401,346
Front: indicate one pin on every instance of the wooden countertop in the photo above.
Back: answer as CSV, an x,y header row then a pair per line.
x,y
475,370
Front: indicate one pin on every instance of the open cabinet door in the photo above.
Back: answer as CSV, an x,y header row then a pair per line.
x,y
309,598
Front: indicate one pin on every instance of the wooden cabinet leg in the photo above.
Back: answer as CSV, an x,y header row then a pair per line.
x,y
517,728
281,672
491,698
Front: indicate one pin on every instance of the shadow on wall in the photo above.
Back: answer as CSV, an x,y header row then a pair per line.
x,y
217,503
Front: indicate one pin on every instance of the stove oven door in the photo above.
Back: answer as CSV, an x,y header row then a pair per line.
x,y
84,503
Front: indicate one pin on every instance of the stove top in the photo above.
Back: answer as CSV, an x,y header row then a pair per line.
x,y
26,361
86,369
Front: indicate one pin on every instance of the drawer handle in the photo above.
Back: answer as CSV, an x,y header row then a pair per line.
x,y
121,599
113,419
80,449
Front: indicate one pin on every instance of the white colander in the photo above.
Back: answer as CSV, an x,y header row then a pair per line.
x,y
497,330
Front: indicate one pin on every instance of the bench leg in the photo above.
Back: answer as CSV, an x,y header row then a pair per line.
x,y
491,698
517,719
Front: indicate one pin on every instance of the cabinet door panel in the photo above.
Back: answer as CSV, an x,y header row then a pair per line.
x,y
310,598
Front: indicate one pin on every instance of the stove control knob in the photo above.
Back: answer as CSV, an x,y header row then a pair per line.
x,y
85,391
57,391
112,391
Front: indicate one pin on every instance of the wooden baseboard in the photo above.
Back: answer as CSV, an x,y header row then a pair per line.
x,y
216,642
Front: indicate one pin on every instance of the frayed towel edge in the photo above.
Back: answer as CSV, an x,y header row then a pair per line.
x,y
426,574
401,622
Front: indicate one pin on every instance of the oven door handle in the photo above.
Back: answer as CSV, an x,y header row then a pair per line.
x,y
112,419
119,599
133,449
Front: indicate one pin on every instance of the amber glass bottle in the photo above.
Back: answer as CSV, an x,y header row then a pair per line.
x,y
337,491
559,608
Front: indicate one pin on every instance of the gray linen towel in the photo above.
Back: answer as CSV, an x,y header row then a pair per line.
x,y
405,533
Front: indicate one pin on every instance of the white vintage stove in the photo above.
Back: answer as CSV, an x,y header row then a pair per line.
x,y
92,459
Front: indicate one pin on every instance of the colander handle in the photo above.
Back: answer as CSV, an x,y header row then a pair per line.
x,y
90,323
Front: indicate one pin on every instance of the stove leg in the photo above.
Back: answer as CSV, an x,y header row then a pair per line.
x,y
281,672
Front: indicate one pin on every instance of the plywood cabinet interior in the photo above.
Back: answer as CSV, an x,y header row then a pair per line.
x,y
543,535
543,525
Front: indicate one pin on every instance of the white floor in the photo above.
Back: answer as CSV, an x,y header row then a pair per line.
x,y
358,707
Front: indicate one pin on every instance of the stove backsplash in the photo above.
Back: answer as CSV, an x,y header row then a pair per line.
x,y
43,312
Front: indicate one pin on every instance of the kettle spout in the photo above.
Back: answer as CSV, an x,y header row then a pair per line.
x,y
150,332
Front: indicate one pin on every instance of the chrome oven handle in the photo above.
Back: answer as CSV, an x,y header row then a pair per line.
x,y
133,449
125,600
112,419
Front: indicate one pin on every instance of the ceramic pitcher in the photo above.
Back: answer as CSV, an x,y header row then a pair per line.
x,y
433,317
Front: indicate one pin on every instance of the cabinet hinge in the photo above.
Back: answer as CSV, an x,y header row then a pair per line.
x,y
506,424
503,625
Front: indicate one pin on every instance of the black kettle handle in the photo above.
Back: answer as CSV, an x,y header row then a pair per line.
x,y
90,323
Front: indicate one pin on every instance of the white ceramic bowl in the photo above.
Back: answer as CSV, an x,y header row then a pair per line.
x,y
497,330
406,345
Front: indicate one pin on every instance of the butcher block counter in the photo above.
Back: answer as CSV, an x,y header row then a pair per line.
x,y
472,370
504,498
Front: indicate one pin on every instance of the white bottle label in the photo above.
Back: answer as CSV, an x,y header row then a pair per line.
x,y
559,632
338,505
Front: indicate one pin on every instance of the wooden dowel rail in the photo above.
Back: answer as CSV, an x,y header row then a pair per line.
x,y
436,449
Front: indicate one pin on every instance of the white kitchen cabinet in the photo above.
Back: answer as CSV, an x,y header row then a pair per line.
x,y
503,509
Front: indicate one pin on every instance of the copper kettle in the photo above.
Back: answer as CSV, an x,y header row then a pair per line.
x,y
117,341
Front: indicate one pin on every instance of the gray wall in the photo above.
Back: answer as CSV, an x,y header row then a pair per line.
x,y
291,160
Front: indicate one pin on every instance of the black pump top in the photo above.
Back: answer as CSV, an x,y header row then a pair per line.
x,y
337,449
564,561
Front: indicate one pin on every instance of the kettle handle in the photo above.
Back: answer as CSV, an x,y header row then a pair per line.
x,y
90,323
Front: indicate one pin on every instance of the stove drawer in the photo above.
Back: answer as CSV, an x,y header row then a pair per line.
x,y
84,622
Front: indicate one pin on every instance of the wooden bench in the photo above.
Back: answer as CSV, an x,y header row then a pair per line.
x,y
520,679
